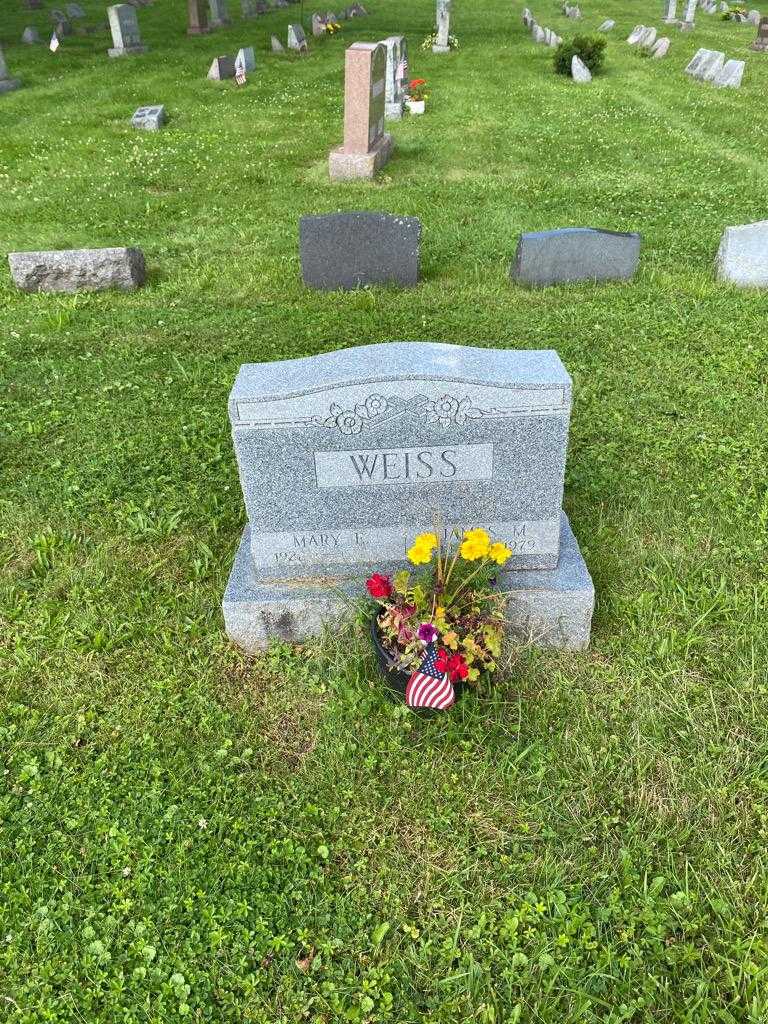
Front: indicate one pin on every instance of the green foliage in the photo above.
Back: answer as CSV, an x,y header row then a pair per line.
x,y
191,834
591,49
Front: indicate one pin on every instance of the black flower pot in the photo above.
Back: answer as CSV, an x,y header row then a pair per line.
x,y
396,680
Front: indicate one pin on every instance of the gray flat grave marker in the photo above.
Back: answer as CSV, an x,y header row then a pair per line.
x,y
352,250
580,73
345,456
277,46
568,255
607,25
30,35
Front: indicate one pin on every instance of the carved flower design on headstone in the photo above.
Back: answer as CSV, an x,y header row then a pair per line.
x,y
447,409
346,420
375,405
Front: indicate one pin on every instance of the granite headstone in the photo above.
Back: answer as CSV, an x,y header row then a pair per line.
x,y
124,25
197,18
397,64
575,254
74,270
442,42
345,456
352,250
366,147
7,84
742,258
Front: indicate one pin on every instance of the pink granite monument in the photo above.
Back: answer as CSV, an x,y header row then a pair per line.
x,y
366,147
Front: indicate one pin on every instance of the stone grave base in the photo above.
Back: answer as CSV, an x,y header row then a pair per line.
x,y
125,51
546,607
343,166
441,49
9,84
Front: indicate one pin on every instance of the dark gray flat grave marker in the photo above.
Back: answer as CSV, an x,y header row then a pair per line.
x,y
351,250
575,254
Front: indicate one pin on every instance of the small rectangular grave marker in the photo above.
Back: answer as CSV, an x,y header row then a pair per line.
x,y
246,58
352,250
296,39
568,255
221,68
150,119
742,258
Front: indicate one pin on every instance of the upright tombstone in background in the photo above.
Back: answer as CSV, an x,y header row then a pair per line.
x,y
366,147
689,15
124,25
30,35
218,13
761,43
248,9
197,18
443,15
397,62
7,84
296,39
345,456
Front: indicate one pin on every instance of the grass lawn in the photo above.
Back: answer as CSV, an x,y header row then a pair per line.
x,y
188,833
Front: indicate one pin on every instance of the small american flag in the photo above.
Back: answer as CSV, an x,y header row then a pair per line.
x,y
428,687
402,69
240,72
54,44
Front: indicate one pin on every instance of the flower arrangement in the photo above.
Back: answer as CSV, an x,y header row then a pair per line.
x,y
431,40
331,28
417,90
451,603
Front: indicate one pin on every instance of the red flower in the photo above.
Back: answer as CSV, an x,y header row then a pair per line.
x,y
416,82
379,586
453,664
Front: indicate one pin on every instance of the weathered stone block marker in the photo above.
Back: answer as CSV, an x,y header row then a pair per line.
x,y
567,255
743,255
351,250
74,270
124,25
367,147
343,457
150,119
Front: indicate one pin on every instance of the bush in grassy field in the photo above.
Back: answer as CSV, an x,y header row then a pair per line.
x,y
591,49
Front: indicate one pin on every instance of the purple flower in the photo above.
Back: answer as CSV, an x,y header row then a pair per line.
x,y
427,633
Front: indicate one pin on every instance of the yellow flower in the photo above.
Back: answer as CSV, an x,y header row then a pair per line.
x,y
476,544
423,546
451,640
499,552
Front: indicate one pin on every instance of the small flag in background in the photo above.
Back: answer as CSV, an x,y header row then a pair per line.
x,y
54,44
428,687
402,69
240,72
